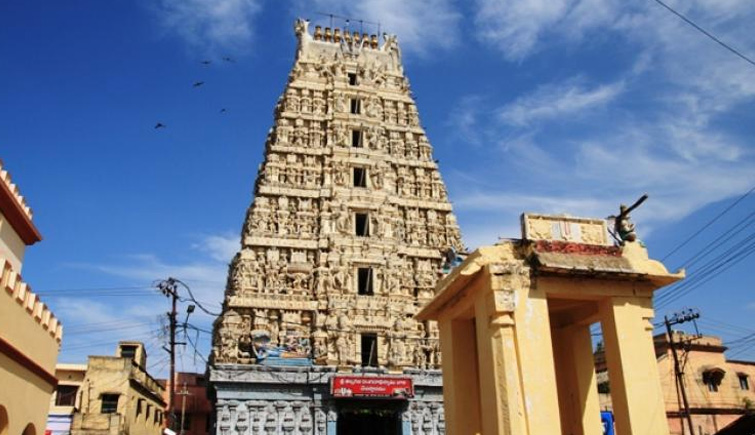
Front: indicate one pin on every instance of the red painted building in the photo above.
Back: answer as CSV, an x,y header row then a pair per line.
x,y
191,402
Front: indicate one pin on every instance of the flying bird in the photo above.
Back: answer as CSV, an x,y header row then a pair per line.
x,y
197,84
223,110
160,125
206,62
228,59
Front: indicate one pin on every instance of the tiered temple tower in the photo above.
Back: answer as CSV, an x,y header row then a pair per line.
x,y
345,240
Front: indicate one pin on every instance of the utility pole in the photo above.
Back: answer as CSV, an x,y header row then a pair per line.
x,y
183,393
676,319
169,288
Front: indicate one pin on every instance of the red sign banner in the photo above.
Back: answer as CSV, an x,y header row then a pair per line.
x,y
371,386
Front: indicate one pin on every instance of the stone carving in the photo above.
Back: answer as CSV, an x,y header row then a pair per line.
x,y
426,418
298,276
257,417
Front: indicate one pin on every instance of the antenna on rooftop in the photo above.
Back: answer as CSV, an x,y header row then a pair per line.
x,y
349,20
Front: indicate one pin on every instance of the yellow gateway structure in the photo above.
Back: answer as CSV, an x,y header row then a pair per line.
x,y
515,320
29,333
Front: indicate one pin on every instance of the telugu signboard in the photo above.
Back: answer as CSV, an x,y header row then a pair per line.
x,y
371,386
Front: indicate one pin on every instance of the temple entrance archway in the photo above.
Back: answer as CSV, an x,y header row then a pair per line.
x,y
369,417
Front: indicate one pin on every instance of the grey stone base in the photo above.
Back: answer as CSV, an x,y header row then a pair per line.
x,y
260,400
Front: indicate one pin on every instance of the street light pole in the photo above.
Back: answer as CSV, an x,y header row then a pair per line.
x,y
675,320
170,289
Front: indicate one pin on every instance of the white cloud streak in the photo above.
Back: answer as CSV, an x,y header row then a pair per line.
x,y
556,101
210,26
516,27
220,247
99,324
677,146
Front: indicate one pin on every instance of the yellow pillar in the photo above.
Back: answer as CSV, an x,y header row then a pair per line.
x,y
516,398
500,398
577,384
537,366
460,391
632,369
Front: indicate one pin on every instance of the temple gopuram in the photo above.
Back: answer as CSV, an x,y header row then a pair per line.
x,y
349,231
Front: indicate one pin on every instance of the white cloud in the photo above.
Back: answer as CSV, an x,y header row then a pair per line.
x,y
420,25
556,101
465,119
210,26
520,28
206,278
663,124
523,203
98,323
516,27
592,176
220,247
93,327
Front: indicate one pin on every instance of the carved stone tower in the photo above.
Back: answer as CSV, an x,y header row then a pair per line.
x,y
344,242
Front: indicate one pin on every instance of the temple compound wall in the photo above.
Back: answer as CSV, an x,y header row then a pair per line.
x,y
349,231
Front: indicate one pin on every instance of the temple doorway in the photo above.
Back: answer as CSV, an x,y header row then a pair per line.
x,y
369,417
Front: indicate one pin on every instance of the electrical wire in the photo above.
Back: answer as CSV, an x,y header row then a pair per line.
x,y
726,326
734,255
706,33
196,349
88,289
711,222
110,329
719,241
193,299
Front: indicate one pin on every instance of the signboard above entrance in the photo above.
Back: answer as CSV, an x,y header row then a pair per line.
x,y
371,386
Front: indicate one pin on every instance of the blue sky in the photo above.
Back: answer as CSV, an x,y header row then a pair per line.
x,y
559,106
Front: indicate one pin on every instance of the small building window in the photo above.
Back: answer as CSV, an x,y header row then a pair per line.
x,y
362,221
356,138
65,395
360,177
355,106
149,411
138,407
744,382
364,281
712,379
128,351
352,79
369,350
109,403
156,416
